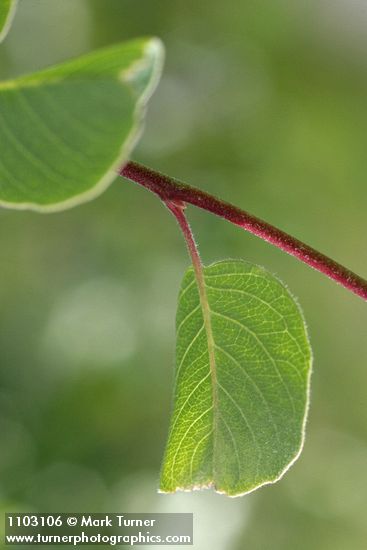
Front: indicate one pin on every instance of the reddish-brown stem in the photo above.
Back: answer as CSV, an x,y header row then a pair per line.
x,y
169,189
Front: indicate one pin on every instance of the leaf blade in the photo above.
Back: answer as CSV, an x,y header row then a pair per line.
x,y
65,130
253,430
7,12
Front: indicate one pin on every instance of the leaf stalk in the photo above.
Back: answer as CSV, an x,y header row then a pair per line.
x,y
178,210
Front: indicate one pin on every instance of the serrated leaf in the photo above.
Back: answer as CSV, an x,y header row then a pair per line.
x,y
64,130
242,382
7,11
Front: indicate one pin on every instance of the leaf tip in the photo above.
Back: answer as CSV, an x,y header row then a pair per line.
x,y
144,74
186,489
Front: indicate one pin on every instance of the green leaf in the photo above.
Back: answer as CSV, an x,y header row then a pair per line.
x,y
242,382
7,11
65,130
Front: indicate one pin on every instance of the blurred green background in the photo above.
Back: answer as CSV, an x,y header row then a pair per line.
x,y
263,103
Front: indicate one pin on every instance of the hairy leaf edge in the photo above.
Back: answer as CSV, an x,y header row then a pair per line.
x,y
307,404
153,51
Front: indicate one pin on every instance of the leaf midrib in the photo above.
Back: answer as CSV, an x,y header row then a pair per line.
x,y
203,296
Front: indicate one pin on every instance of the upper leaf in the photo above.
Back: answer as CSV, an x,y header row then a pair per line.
x,y
242,382
64,130
7,10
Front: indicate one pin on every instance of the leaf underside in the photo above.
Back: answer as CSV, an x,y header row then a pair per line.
x,y
65,130
7,10
237,424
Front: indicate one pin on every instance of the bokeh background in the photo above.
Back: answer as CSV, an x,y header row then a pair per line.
x,y
265,104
